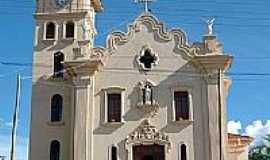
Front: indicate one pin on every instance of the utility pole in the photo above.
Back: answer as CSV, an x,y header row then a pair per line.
x,y
15,118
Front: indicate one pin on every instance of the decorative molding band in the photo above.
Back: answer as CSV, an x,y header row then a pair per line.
x,y
98,52
49,16
159,29
114,88
147,134
189,53
97,5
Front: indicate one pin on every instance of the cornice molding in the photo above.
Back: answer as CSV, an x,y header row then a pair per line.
x,y
59,15
97,5
83,66
211,63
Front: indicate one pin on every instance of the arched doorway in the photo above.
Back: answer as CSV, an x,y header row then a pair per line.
x,y
149,152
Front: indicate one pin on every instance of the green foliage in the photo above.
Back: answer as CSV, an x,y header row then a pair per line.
x,y
261,152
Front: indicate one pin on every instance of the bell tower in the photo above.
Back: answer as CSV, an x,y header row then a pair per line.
x,y
66,24
64,31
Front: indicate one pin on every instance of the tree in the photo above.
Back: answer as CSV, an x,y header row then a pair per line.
x,y
261,152
2,157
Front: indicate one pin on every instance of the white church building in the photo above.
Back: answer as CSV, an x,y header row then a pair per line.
x,y
146,95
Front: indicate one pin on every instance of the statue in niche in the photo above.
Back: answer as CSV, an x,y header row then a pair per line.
x,y
147,95
86,30
146,101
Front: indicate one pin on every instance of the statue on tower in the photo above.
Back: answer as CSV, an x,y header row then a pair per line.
x,y
86,30
210,25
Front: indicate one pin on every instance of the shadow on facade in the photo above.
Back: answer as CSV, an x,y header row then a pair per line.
x,y
185,77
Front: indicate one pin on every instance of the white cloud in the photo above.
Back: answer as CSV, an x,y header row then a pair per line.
x,y
9,124
258,130
21,147
234,127
4,124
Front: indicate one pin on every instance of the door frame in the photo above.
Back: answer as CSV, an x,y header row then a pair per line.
x,y
130,150
147,134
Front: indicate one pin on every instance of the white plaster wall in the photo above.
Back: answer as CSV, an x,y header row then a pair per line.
x,y
239,155
42,131
120,70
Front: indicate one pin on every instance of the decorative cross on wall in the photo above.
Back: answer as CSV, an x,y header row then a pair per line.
x,y
146,3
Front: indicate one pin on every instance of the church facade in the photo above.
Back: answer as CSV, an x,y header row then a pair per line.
x,y
146,95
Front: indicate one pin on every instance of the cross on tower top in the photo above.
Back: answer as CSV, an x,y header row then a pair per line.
x,y
146,3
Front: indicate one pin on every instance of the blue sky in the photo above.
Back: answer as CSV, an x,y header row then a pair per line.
x,y
243,27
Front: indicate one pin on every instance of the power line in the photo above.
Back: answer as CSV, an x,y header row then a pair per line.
x,y
30,65
163,71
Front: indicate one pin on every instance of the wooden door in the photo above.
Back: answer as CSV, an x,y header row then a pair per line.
x,y
149,152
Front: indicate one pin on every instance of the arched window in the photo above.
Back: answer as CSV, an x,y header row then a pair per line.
x,y
70,30
183,151
114,153
58,64
55,150
56,108
50,30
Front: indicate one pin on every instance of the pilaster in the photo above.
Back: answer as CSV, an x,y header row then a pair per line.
x,y
82,75
213,117
217,111
82,105
214,67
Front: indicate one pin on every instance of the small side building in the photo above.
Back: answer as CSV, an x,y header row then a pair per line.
x,y
238,146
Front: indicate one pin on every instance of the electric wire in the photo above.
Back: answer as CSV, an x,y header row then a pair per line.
x,y
25,6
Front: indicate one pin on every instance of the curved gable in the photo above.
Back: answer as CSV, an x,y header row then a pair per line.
x,y
146,19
